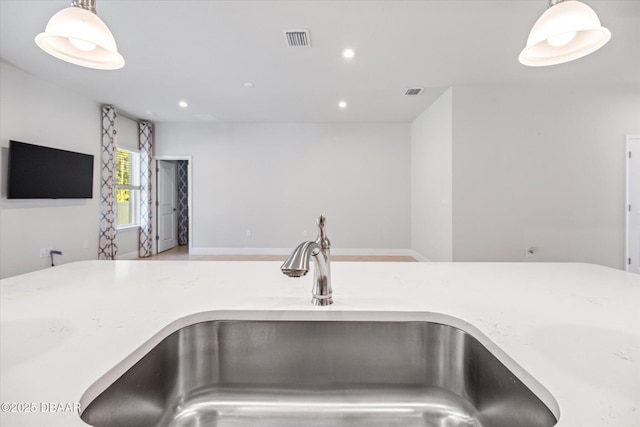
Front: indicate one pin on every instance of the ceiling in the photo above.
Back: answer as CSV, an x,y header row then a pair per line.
x,y
204,51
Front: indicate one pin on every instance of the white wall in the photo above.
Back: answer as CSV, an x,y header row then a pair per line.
x,y
34,111
538,166
275,179
541,166
431,176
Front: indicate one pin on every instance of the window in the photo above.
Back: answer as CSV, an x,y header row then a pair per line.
x,y
127,187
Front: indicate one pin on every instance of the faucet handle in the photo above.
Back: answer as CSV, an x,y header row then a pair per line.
x,y
322,240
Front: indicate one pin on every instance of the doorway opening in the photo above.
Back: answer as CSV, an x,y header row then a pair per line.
x,y
173,203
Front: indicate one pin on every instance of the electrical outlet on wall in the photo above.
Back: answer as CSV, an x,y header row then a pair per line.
x,y
248,233
43,252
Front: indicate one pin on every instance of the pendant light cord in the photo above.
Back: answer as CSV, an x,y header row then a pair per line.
x,y
89,5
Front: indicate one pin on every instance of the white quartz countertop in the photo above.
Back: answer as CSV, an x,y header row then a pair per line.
x,y
574,327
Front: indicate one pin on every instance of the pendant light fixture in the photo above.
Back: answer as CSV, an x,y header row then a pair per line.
x,y
77,35
567,30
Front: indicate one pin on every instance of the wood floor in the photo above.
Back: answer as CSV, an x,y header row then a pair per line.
x,y
182,253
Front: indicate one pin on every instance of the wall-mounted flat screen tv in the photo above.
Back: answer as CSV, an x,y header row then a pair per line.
x,y
37,172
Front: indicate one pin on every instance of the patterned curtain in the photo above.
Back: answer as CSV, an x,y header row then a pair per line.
x,y
146,213
107,247
183,202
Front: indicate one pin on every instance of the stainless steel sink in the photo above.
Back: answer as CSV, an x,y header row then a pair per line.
x,y
262,373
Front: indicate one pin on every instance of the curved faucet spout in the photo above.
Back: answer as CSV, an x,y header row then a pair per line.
x,y
297,265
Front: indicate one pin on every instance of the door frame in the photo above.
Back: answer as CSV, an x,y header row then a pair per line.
x,y
189,160
167,221
627,201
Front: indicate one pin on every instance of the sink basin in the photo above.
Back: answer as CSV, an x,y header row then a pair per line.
x,y
285,373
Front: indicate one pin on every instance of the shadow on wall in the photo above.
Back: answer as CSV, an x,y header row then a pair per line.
x,y
4,161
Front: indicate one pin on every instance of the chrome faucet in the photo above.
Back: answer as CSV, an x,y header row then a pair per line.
x,y
297,265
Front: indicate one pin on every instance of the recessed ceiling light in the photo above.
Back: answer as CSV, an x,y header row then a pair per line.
x,y
183,104
342,104
248,84
348,53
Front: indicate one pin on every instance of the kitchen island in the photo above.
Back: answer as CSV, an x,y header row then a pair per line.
x,y
573,327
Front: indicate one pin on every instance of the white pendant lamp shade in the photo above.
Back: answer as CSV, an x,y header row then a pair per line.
x,y
566,31
79,36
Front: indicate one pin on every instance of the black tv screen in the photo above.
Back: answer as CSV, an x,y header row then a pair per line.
x,y
37,172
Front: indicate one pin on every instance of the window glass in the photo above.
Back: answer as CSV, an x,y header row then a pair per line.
x,y
127,187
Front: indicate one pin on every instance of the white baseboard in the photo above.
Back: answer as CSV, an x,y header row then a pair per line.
x,y
128,255
419,257
371,252
239,251
287,251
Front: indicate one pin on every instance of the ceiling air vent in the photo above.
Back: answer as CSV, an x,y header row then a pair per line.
x,y
412,91
297,38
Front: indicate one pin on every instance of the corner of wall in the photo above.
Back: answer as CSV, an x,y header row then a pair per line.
x,y
431,180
